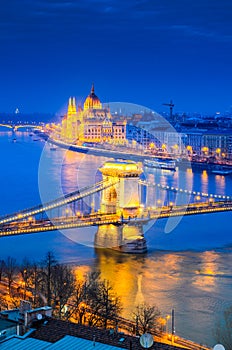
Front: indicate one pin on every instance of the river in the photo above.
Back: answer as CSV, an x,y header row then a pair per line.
x,y
188,266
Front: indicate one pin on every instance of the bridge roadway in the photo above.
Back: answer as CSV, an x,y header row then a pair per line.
x,y
96,219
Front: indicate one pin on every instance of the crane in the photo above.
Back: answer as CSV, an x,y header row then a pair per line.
x,y
170,105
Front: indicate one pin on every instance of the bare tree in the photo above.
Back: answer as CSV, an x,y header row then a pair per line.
x,y
25,270
103,302
10,271
46,282
62,287
223,332
146,318
3,303
34,279
110,303
2,268
91,298
78,307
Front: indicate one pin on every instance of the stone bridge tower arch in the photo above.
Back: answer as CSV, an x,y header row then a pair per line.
x,y
122,197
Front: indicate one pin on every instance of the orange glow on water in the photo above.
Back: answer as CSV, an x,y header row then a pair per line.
x,y
204,181
209,269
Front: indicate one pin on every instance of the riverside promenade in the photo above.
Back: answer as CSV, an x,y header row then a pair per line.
x,y
138,155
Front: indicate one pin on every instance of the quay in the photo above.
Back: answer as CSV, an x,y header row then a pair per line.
x,y
139,156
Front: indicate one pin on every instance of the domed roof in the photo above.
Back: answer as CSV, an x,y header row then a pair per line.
x,y
92,101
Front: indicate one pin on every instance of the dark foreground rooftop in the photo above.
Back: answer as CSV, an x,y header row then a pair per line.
x,y
54,330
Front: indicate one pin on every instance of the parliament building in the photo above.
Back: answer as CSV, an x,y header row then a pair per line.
x,y
91,123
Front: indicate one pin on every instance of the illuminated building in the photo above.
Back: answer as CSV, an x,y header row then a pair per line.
x,y
91,123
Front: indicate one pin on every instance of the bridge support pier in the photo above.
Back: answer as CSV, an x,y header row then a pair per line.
x,y
126,238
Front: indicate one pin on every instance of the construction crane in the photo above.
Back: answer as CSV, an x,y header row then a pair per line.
x,y
170,105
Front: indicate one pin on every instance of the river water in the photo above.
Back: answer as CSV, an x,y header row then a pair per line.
x,y
188,266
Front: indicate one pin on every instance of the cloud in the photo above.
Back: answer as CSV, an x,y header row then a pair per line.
x,y
111,20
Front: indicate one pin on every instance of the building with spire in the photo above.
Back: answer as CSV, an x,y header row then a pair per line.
x,y
91,123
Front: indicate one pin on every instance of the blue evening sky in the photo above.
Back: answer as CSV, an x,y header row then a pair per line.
x,y
138,51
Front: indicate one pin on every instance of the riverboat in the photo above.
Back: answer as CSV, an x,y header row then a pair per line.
x,y
221,171
52,147
133,245
164,164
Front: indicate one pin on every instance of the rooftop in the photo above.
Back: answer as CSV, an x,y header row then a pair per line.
x,y
4,324
16,343
55,330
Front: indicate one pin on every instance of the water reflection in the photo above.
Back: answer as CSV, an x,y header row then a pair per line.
x,y
141,278
188,282
204,181
207,272
221,184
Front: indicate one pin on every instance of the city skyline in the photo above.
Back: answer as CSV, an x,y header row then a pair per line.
x,y
140,52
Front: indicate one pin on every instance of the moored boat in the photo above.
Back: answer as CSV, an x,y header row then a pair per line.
x,y
221,172
133,245
165,164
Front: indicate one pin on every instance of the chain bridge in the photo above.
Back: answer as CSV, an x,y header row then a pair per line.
x,y
119,205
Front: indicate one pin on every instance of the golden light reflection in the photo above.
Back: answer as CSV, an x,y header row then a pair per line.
x,y
139,299
189,179
204,181
81,272
220,183
205,278
140,280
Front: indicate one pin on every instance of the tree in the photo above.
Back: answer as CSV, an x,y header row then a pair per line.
x,y
10,271
103,302
47,266
2,268
62,287
3,303
34,280
91,298
78,307
25,271
223,332
146,317
109,302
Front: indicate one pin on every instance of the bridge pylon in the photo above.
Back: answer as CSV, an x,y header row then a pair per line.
x,y
123,200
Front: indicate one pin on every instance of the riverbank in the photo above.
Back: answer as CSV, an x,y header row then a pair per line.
x,y
221,169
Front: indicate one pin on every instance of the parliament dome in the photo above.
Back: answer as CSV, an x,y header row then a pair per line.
x,y
92,101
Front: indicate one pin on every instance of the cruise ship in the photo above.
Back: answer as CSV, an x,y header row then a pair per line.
x,y
164,164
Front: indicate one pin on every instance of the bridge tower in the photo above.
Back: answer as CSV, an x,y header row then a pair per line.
x,y
123,200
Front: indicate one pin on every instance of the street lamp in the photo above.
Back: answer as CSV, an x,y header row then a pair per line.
x,y
164,147
218,152
211,200
205,151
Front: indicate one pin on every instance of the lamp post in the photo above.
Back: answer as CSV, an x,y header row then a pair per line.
x,y
173,322
218,152
172,336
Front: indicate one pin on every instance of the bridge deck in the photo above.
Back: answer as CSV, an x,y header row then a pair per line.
x,y
96,219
